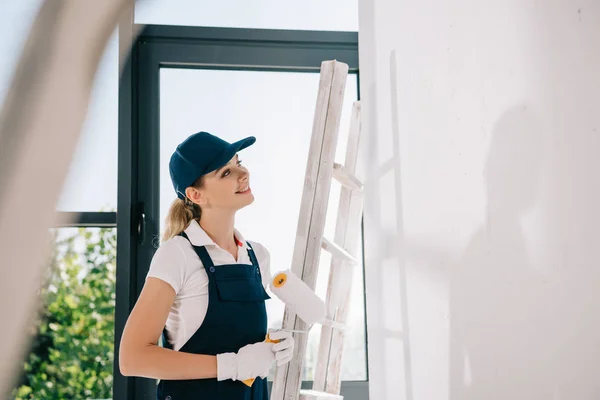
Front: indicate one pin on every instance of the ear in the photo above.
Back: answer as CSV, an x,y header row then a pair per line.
x,y
195,195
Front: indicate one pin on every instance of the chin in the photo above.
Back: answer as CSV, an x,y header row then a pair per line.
x,y
247,201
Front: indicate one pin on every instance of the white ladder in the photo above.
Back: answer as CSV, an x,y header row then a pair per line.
x,y
310,240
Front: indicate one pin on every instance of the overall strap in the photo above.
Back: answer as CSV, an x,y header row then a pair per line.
x,y
252,255
202,253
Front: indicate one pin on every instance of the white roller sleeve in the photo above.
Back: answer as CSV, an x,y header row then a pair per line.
x,y
298,297
301,299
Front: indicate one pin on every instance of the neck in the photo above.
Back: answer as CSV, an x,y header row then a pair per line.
x,y
219,227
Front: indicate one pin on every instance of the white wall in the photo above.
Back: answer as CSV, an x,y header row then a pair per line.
x,y
482,237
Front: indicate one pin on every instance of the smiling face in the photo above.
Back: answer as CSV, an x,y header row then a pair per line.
x,y
226,189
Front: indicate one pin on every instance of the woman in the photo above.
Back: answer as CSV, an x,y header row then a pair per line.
x,y
205,290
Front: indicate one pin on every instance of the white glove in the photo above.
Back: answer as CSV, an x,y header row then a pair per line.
x,y
251,361
284,350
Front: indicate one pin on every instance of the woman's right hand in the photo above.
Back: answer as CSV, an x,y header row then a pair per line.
x,y
251,361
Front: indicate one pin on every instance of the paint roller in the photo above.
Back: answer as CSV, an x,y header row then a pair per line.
x,y
249,382
298,297
301,300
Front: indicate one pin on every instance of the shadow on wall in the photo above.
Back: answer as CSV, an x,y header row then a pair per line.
x,y
533,328
403,337
524,298
390,351
501,319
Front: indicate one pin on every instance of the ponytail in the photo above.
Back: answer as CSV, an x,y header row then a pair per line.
x,y
181,213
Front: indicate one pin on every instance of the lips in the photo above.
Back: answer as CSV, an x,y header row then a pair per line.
x,y
244,190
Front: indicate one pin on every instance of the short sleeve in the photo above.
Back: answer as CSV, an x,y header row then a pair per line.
x,y
168,264
264,260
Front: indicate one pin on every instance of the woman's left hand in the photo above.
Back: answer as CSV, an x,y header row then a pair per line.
x,y
284,350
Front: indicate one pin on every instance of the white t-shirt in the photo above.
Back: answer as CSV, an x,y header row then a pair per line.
x,y
176,263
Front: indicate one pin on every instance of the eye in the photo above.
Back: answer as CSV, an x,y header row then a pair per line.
x,y
227,172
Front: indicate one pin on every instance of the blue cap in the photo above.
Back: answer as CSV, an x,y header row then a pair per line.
x,y
200,154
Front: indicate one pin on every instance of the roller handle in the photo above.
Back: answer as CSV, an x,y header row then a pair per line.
x,y
249,382
278,281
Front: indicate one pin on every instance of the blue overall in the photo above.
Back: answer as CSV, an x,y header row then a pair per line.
x,y
236,316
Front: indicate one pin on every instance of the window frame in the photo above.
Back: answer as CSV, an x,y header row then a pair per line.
x,y
87,219
157,47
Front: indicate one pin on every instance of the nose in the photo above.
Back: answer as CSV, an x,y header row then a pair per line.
x,y
243,175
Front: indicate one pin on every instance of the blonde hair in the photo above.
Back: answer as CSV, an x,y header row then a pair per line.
x,y
181,213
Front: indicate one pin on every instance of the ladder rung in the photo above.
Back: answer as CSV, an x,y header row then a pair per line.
x,y
346,179
337,251
314,395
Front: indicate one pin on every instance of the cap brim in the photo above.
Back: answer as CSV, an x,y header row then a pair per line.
x,y
242,144
227,154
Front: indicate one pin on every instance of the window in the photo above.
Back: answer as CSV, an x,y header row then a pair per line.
x,y
72,355
74,359
354,359
91,183
72,336
16,19
234,83
233,104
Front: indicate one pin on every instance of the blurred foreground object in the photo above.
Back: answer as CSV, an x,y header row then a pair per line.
x,y
40,123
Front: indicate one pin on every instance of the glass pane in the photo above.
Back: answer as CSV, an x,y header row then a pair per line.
x,y
71,355
277,108
16,19
354,358
91,183
331,15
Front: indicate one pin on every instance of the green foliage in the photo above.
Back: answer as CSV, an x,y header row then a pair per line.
x,y
72,353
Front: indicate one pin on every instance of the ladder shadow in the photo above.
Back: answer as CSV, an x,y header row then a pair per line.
x,y
404,335
389,341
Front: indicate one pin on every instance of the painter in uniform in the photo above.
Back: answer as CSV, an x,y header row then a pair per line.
x,y
205,289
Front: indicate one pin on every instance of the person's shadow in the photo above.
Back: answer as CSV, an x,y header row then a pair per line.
x,y
499,342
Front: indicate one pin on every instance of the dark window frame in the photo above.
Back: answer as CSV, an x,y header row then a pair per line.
x,y
138,196
87,219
